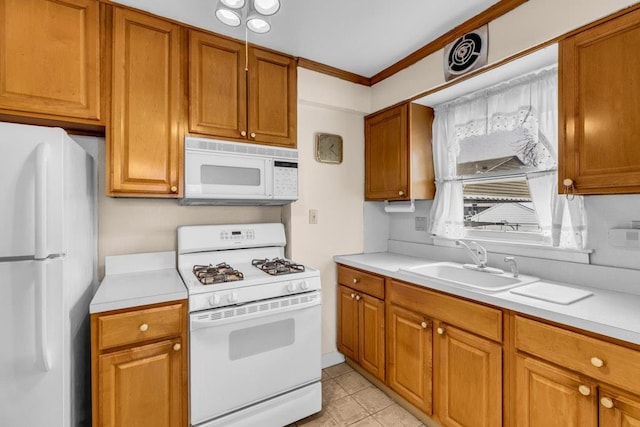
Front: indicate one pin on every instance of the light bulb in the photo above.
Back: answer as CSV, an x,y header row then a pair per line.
x,y
233,4
228,17
266,7
258,25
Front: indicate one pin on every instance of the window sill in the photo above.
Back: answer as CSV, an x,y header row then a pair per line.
x,y
525,249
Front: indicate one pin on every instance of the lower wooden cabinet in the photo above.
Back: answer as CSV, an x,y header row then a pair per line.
x,y
361,329
142,386
410,356
551,396
468,385
618,409
139,366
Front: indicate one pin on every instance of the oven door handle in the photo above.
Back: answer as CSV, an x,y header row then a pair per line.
x,y
197,322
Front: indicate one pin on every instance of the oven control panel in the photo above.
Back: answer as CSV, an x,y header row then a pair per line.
x,y
237,235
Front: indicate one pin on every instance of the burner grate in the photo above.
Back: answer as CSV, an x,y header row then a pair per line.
x,y
277,266
220,273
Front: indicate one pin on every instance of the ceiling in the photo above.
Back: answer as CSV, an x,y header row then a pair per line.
x,y
360,36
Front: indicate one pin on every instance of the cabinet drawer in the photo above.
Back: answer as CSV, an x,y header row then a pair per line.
x,y
361,281
140,325
475,318
620,365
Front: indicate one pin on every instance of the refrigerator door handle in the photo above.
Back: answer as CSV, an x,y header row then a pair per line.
x,y
41,175
42,348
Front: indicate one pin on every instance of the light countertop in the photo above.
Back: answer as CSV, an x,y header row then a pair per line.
x,y
138,279
606,312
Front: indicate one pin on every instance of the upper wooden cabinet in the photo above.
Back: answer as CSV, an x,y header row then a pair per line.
x,y
600,108
145,143
244,95
50,58
398,155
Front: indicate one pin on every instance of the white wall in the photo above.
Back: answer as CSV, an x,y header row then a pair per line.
x,y
329,105
530,24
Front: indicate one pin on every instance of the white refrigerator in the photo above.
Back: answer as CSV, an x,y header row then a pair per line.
x,y
48,257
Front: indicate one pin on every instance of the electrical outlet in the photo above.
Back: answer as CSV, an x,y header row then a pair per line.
x,y
313,216
421,223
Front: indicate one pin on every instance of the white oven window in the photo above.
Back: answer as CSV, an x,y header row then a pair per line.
x,y
229,175
262,338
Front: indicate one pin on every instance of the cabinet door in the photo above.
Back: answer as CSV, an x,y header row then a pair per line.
x,y
371,334
272,95
386,145
144,150
600,108
347,322
50,56
618,409
409,355
552,397
142,386
468,380
217,86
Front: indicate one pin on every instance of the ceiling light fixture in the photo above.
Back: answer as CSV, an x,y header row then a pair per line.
x,y
231,12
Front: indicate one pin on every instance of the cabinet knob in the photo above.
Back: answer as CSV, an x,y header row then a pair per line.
x,y
177,347
353,296
424,325
253,134
567,182
243,133
358,297
400,193
440,331
606,402
597,362
143,327
174,189
355,280
584,390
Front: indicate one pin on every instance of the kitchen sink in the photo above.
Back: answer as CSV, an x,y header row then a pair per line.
x,y
449,273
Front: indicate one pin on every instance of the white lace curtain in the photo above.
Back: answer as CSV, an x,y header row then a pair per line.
x,y
529,106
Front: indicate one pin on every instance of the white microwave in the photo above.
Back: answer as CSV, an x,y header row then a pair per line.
x,y
234,173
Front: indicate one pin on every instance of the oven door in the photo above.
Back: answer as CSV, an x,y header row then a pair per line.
x,y
246,354
220,175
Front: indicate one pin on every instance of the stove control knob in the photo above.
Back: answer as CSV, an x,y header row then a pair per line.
x,y
304,285
233,297
291,287
214,300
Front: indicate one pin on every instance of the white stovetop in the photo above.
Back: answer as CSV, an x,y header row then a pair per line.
x,y
611,313
138,279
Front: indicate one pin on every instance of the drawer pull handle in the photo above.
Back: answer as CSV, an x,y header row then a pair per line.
x,y
424,325
597,362
177,347
144,327
356,280
358,297
606,402
440,331
584,390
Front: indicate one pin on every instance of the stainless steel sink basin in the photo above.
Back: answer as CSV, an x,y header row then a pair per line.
x,y
449,273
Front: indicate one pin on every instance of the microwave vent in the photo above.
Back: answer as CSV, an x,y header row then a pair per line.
x,y
240,148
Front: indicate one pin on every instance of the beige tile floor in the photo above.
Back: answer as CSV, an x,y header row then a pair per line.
x,y
348,399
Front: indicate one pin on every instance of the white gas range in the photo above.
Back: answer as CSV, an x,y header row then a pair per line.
x,y
254,327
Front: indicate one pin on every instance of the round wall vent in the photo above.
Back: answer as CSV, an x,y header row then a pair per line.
x,y
465,54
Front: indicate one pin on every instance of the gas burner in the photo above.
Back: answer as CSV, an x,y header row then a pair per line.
x,y
277,266
212,274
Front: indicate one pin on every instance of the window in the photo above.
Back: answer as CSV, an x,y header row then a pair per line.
x,y
495,153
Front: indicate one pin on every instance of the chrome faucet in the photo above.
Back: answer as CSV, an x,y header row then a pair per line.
x,y
513,264
478,253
